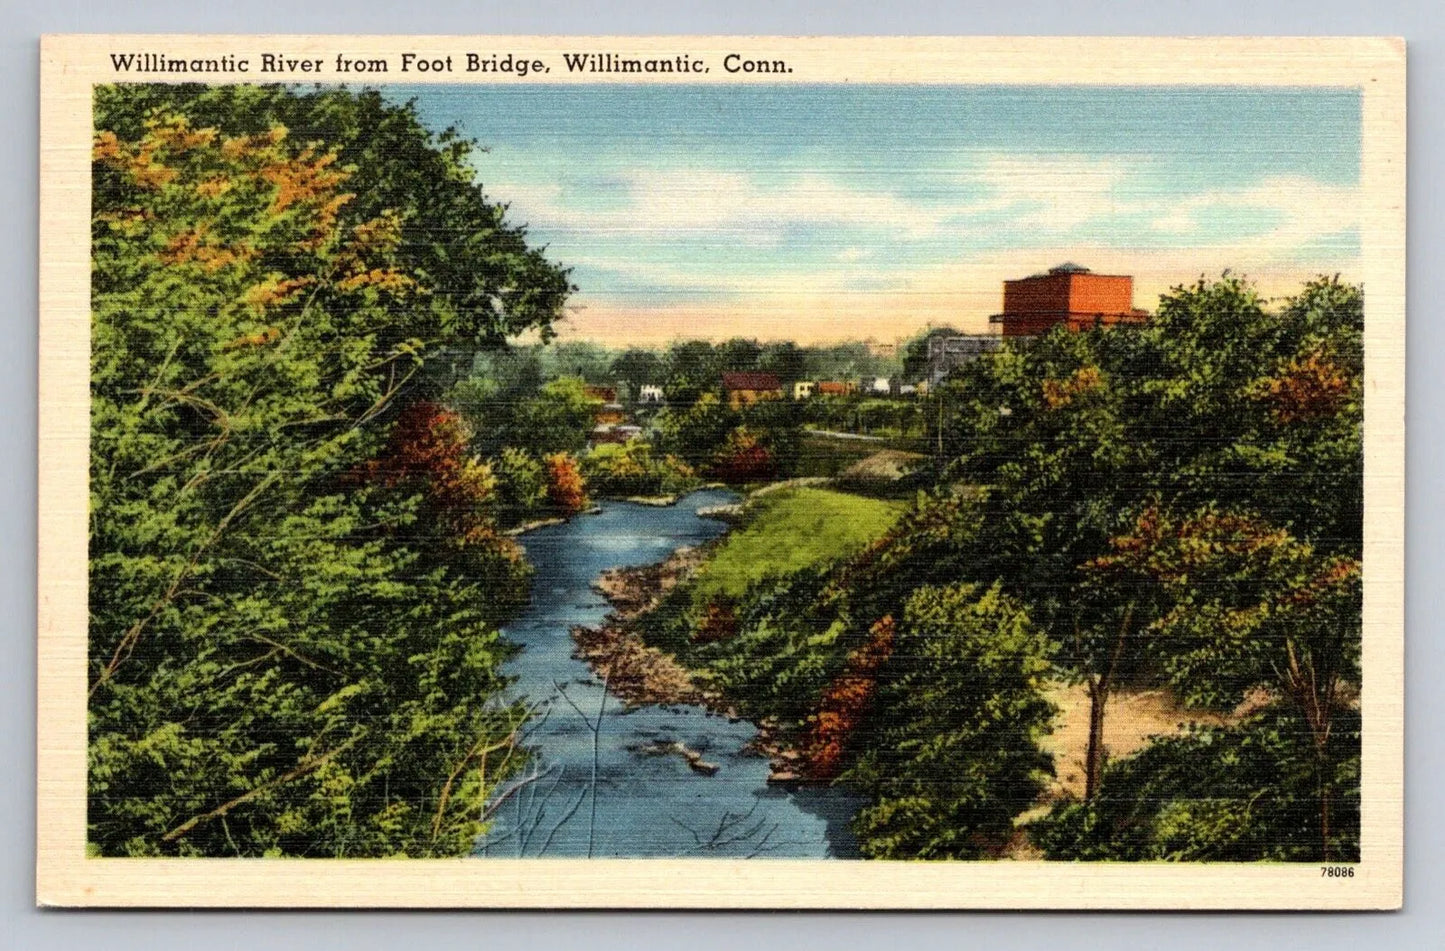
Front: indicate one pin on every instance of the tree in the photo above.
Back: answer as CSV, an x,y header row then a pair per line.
x,y
566,488
695,432
1247,605
694,368
786,359
294,583
958,718
1043,429
915,351
582,359
1245,793
521,485
484,282
632,468
636,368
558,418
739,353
1218,400
743,458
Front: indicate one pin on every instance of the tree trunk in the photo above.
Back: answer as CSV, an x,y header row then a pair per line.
x,y
1099,689
1094,759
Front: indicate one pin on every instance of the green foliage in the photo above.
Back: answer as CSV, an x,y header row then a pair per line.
x,y
952,751
581,359
557,419
521,486
787,647
1219,404
294,600
636,368
484,282
1217,794
1176,504
693,432
633,468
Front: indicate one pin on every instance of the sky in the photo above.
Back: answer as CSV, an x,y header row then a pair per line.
x,y
820,213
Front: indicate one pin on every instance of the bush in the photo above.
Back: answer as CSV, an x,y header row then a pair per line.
x,y
521,486
566,489
950,754
743,458
1217,794
633,469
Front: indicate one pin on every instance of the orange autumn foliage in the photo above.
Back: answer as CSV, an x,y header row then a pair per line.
x,y
846,701
566,489
427,450
1308,387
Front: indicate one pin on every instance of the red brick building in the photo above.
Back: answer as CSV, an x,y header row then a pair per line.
x,y
1068,294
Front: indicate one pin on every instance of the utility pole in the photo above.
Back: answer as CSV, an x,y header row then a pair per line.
x,y
940,424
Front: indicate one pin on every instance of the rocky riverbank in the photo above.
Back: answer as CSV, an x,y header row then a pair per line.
x,y
640,675
636,673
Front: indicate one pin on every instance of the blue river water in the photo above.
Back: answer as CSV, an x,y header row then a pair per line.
x,y
601,789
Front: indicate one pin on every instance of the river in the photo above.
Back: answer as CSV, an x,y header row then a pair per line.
x,y
601,789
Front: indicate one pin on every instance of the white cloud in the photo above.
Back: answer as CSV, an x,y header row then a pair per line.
x,y
684,200
1051,193
1305,209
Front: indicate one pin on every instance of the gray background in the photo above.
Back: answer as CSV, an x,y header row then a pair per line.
x,y
1421,925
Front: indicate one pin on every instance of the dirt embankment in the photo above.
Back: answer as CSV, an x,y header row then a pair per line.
x,y
1131,719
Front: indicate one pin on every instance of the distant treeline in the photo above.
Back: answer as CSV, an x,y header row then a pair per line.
x,y
686,368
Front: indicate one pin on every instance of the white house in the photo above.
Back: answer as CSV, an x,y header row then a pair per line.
x,y
649,393
803,389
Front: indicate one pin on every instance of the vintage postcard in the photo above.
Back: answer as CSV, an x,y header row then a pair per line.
x,y
721,472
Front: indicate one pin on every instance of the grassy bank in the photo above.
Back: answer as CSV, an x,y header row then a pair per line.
x,y
787,531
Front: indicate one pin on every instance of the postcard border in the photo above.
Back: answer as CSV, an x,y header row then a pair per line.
x,y
70,65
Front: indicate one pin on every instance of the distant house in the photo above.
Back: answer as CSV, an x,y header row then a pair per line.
x,y
880,385
803,389
745,388
907,389
606,394
649,393
835,388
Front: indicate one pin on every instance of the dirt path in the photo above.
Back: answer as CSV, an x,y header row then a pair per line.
x,y
1130,720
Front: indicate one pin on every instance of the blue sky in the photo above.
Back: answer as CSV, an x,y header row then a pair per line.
x,y
842,211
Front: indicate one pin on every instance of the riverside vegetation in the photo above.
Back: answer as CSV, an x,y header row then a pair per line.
x,y
1177,507
313,429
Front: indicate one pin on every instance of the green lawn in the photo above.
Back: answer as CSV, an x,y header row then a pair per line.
x,y
790,529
